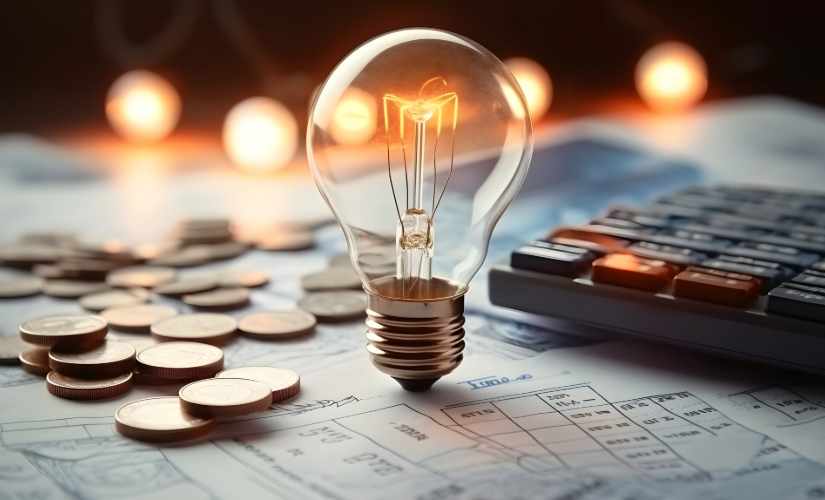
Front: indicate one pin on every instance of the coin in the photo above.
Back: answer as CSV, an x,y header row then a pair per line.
x,y
71,289
138,341
29,255
249,278
104,250
10,349
47,271
225,397
20,287
222,251
141,276
139,378
86,269
68,387
277,325
333,278
35,360
179,360
209,328
72,331
185,257
160,420
113,298
104,360
137,318
221,299
335,306
284,383
285,241
185,287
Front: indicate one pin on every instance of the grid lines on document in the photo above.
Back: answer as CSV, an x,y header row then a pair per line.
x,y
662,437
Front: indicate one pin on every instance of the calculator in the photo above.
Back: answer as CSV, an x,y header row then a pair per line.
x,y
735,270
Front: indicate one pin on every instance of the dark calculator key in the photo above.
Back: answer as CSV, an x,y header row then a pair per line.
x,y
798,301
645,219
677,210
771,275
688,239
752,222
701,202
788,256
594,241
811,278
802,241
819,266
719,287
674,255
551,261
721,229
632,272
617,223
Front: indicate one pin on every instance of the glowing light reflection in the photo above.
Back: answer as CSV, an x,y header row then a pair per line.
x,y
142,107
260,135
535,84
671,77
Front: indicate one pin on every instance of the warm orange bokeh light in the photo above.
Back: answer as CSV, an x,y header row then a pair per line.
x,y
142,107
354,118
671,77
260,135
535,84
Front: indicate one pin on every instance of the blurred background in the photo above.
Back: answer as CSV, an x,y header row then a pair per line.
x,y
59,59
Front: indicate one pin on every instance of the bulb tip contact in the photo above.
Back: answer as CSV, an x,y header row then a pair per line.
x,y
416,385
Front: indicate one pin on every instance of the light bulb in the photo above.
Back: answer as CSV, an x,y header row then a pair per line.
x,y
671,77
142,107
260,135
418,197
535,84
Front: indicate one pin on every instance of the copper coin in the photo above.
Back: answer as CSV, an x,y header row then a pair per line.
x,y
47,271
185,257
29,255
141,276
139,378
10,349
222,251
68,387
285,241
138,341
333,278
160,420
209,328
179,360
71,331
102,250
108,358
35,360
86,269
137,318
335,306
185,287
277,325
20,287
249,278
284,383
221,299
71,289
225,397
113,298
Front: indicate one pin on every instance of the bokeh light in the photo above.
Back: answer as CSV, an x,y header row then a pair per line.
x,y
260,135
142,107
671,77
535,84
354,118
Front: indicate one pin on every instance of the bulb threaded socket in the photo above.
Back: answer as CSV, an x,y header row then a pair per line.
x,y
415,341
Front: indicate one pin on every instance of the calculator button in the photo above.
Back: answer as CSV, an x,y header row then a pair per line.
x,y
771,276
799,301
819,266
674,255
811,277
719,287
802,241
632,272
688,239
645,219
722,230
556,260
594,241
788,256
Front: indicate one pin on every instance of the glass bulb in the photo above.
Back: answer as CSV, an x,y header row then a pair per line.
x,y
418,141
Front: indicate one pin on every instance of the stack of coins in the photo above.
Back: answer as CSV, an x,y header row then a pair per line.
x,y
78,362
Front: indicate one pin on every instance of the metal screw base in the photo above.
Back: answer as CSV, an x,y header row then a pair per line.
x,y
416,341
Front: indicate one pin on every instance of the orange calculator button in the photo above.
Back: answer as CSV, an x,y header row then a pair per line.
x,y
633,272
720,287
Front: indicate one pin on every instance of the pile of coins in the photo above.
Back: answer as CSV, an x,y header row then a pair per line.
x,y
129,291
